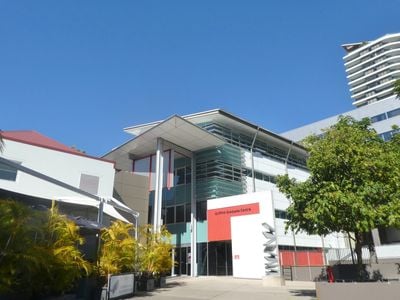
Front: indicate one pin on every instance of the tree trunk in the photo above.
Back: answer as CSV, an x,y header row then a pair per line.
x,y
358,250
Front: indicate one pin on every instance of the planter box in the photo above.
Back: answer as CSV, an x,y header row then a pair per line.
x,y
358,290
147,284
161,282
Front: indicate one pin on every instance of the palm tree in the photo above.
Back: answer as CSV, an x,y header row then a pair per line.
x,y
20,253
118,249
62,240
38,251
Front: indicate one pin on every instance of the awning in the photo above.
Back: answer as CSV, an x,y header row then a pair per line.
x,y
107,208
175,130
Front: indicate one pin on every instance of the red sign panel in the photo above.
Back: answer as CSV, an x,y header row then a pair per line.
x,y
301,258
219,220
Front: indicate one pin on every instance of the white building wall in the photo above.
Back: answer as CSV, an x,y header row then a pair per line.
x,y
367,111
65,167
248,250
272,167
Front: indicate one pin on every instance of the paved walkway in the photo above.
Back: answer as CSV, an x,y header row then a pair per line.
x,y
227,288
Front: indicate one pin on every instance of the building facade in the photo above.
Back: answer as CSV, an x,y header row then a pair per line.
x,y
383,114
211,181
372,67
36,170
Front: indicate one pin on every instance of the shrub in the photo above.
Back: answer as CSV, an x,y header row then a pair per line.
x,y
118,249
154,251
38,251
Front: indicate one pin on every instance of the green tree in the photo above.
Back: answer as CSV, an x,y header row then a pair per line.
x,y
396,88
354,183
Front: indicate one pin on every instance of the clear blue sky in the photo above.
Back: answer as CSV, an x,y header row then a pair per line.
x,y
80,71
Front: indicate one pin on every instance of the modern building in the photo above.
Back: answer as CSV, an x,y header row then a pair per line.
x,y
36,170
383,114
372,67
210,178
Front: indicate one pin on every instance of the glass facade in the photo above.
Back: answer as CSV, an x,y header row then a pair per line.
x,y
245,141
219,172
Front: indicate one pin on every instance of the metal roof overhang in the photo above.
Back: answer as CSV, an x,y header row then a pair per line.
x,y
179,134
226,119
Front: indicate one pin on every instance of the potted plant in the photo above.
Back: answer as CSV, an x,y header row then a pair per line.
x,y
154,257
117,251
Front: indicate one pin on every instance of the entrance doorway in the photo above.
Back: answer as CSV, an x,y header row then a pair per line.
x,y
182,261
220,258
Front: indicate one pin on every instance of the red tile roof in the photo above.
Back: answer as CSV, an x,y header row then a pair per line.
x,y
35,138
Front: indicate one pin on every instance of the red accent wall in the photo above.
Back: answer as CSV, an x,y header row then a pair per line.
x,y
303,258
219,220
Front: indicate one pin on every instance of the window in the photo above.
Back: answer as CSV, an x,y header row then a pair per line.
x,y
280,214
180,176
7,172
188,212
89,183
180,214
170,215
188,175
260,176
183,176
378,118
176,214
393,113
201,210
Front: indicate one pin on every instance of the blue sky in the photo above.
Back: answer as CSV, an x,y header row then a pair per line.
x,y
81,71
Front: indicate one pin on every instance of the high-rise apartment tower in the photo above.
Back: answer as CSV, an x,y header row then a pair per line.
x,y
372,67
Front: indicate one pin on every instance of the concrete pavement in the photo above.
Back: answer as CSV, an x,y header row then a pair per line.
x,y
227,288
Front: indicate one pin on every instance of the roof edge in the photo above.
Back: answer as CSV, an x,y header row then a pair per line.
x,y
55,148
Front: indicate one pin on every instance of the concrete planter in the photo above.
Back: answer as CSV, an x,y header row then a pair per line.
x,y
146,284
161,282
358,290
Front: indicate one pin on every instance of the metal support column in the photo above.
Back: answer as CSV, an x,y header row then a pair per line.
x,y
159,185
252,160
193,224
100,212
136,227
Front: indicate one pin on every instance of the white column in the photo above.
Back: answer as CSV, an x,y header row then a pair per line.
x,y
159,185
193,225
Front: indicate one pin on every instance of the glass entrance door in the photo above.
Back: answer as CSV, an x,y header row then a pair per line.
x,y
182,261
220,258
